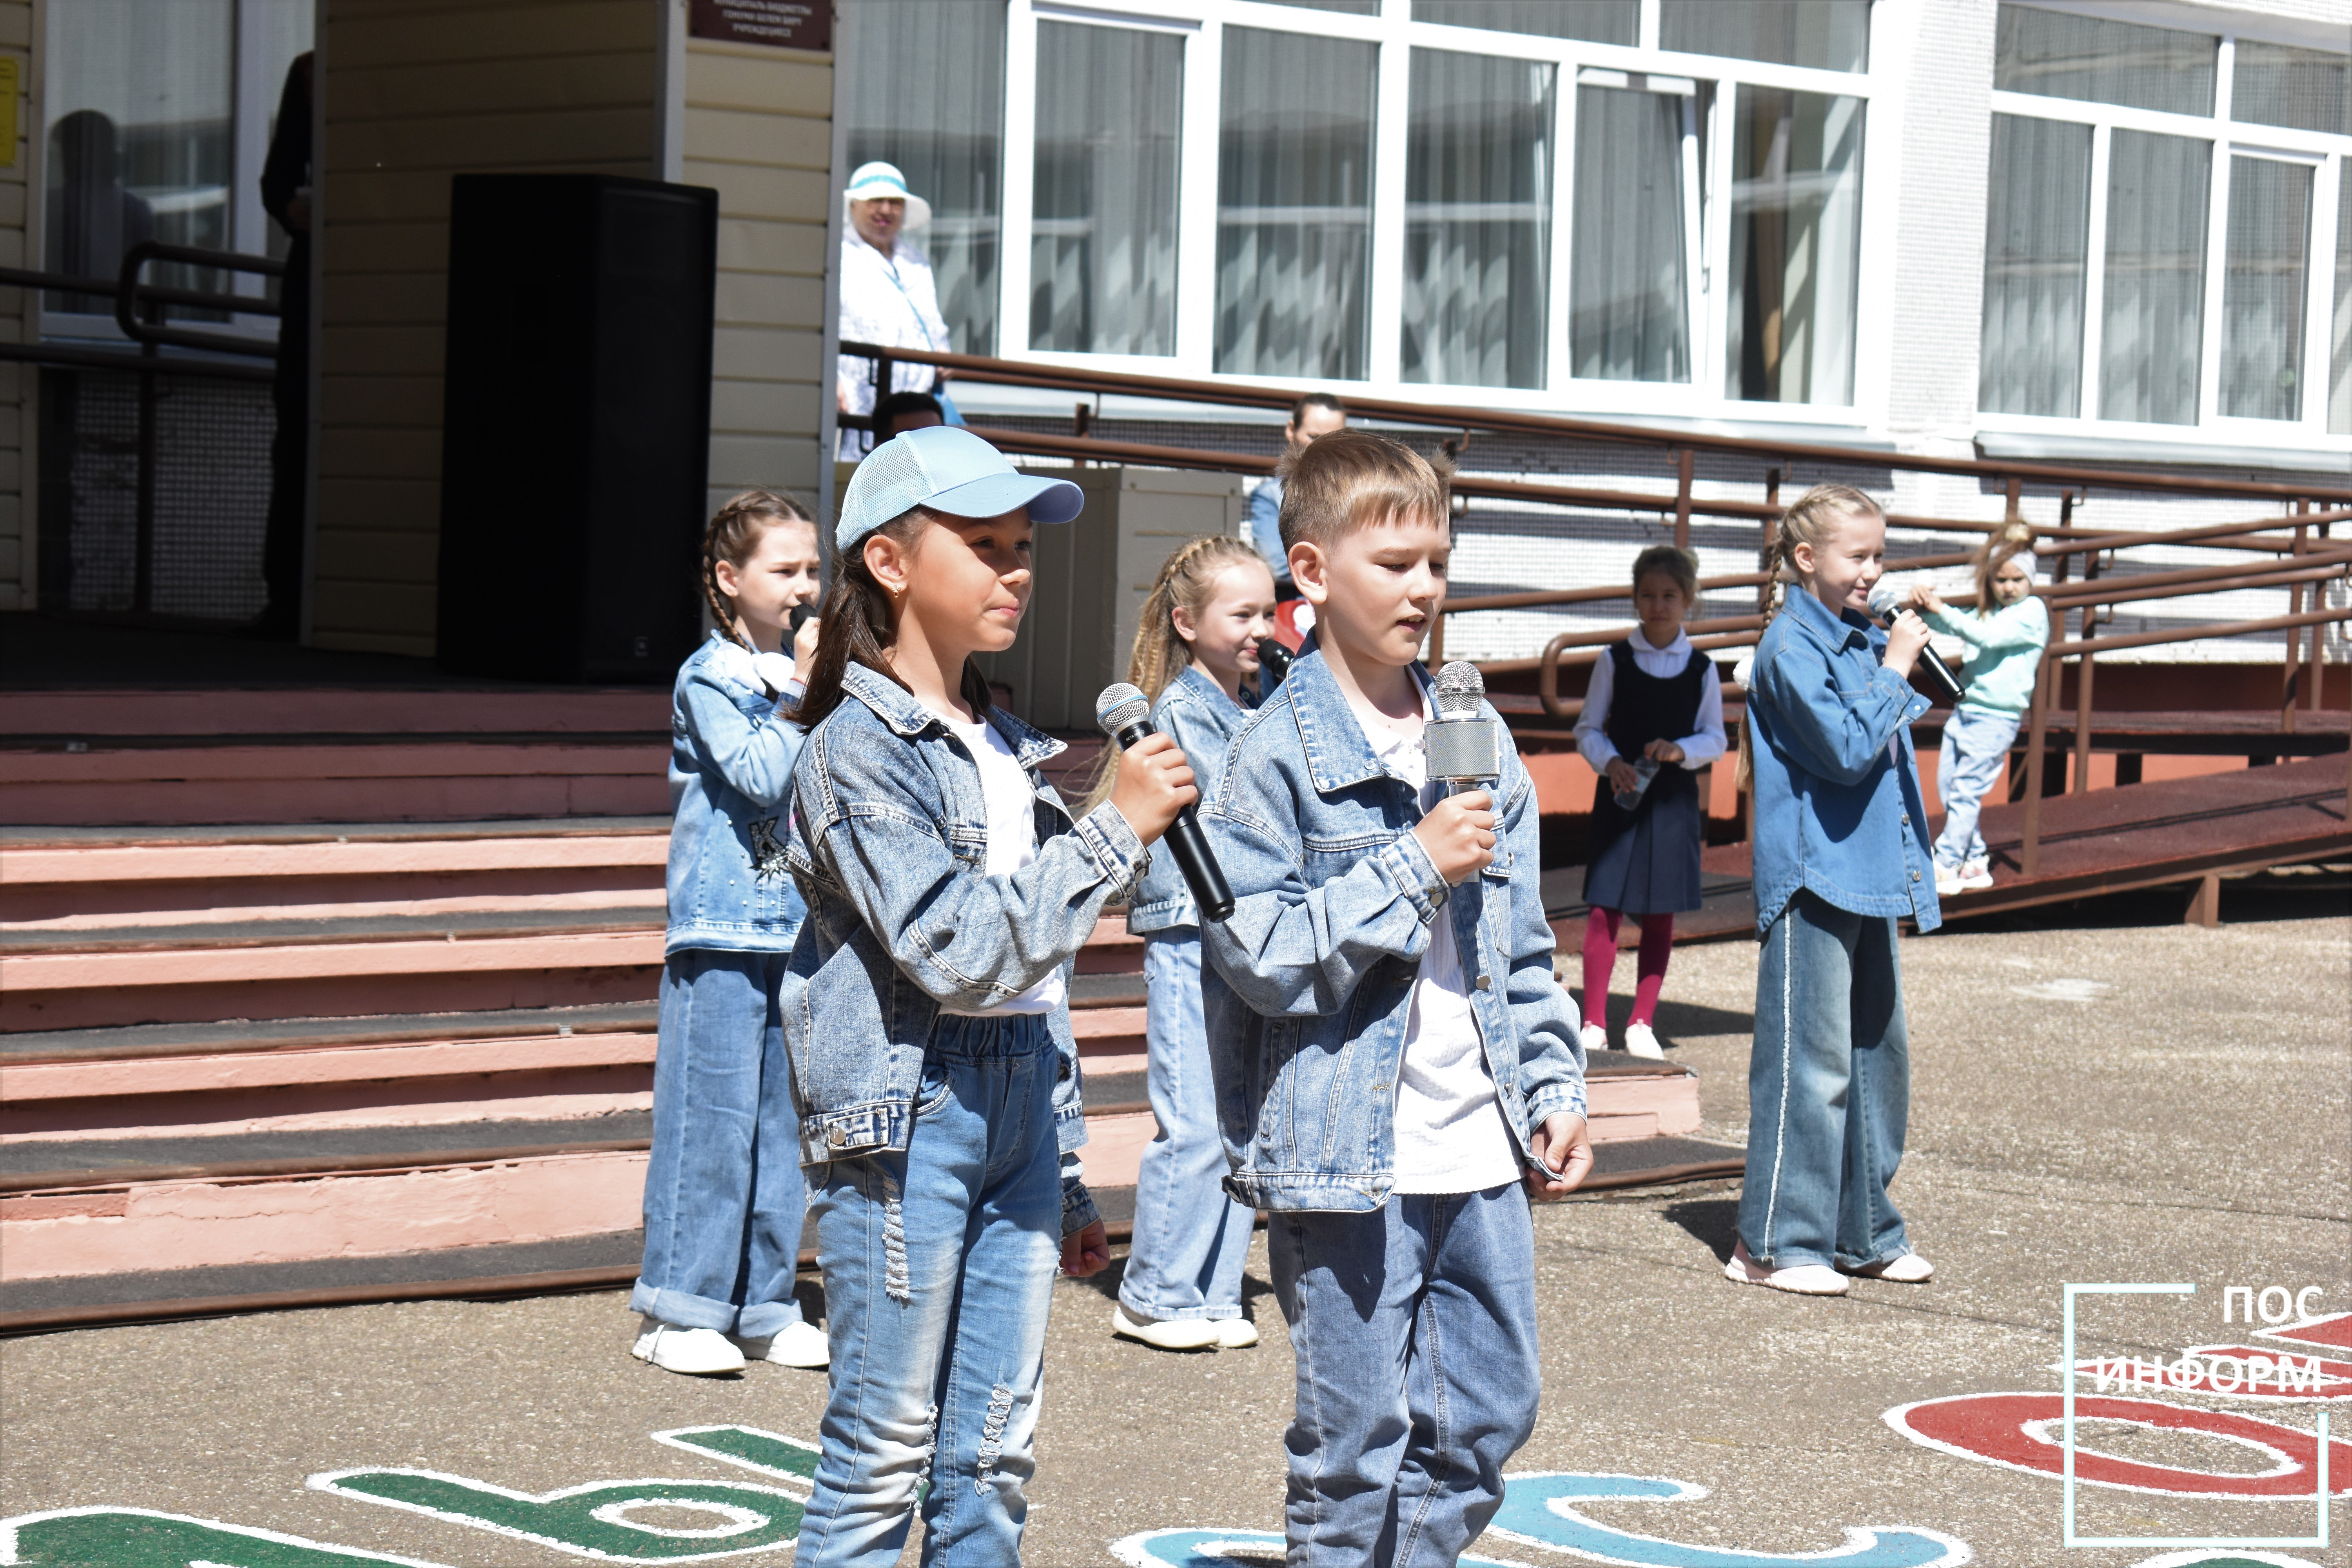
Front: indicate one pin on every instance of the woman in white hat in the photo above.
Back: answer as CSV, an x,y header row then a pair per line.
x,y
888,294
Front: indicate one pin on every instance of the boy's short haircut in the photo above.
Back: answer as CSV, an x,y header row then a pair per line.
x,y
1322,400
1352,478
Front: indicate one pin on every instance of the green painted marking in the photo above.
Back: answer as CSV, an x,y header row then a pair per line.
x,y
618,1521
772,1453
141,1538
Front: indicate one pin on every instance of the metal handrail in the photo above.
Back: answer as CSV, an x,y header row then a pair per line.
x,y
131,293
81,356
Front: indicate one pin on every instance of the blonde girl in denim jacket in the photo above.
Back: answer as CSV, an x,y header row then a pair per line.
x,y
1840,857
723,1200
927,1011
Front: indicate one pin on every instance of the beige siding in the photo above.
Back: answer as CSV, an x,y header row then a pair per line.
x,y
418,91
759,131
19,417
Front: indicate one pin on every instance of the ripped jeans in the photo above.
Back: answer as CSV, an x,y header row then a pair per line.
x,y
939,1268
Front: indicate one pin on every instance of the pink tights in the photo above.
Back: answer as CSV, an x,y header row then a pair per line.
x,y
1649,964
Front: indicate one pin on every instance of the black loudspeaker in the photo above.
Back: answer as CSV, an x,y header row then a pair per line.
x,y
576,429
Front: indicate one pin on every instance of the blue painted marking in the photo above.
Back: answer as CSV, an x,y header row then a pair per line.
x,y
1540,1510
1216,1548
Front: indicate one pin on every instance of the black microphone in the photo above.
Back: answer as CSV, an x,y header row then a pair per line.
x,y
1886,605
1276,660
1125,715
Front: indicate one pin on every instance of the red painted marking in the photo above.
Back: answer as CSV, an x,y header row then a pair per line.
x,y
2335,1331
1998,1429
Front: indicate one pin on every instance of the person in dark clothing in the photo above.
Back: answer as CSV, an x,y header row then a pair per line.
x,y
906,411
286,182
93,219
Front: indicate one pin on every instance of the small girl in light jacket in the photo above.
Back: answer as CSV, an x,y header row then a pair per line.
x,y
2005,637
1654,696
1196,657
723,1200
1840,857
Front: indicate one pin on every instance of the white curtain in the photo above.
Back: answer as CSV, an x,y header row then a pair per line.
x,y
2339,374
1629,297
2100,61
1294,205
924,88
2265,281
2272,84
1102,232
1477,250
2037,249
1829,35
1600,21
2152,331
1796,235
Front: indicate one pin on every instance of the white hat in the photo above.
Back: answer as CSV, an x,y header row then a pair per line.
x,y
877,182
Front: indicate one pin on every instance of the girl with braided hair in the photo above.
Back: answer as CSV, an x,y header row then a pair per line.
x,y
1196,658
1840,855
724,1198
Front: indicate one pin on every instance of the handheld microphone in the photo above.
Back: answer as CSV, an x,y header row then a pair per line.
x,y
1461,744
1884,604
1125,715
1276,660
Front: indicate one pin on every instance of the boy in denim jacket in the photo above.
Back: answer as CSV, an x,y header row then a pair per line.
x,y
1397,1069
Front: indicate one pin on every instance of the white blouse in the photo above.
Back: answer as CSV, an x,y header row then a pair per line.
x,y
1699,748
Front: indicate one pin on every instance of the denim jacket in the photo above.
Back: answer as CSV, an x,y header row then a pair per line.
x,y
1309,981
1838,808
891,837
1195,713
731,750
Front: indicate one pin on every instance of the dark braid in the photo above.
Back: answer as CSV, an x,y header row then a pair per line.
x,y
730,537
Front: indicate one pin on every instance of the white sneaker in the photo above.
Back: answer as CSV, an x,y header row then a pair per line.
x,y
1975,874
795,1344
1908,1269
1593,1037
1802,1279
1165,1333
698,1353
1947,882
1235,1333
1641,1040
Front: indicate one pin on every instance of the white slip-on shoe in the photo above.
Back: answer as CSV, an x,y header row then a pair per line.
x,y
1641,1040
1235,1333
1164,1334
1975,874
1593,1037
1908,1269
795,1344
1947,883
1800,1280
697,1352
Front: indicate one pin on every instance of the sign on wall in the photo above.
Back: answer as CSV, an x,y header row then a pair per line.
x,y
781,24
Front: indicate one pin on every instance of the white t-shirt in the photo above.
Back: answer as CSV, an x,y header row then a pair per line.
x,y
1011,841
1450,1136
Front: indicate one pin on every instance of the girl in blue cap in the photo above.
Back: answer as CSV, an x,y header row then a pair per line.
x,y
925,1008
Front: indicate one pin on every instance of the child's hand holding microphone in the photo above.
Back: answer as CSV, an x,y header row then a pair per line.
x,y
1458,835
1154,783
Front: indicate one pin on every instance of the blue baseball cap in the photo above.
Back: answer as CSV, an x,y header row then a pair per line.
x,y
945,469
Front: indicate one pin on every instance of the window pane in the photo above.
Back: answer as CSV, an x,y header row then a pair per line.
x,y
139,138
1599,21
1628,299
1102,246
2090,58
2340,372
2152,333
1796,234
1294,205
2265,273
1477,220
2037,244
925,90
1832,35
2274,85
1357,8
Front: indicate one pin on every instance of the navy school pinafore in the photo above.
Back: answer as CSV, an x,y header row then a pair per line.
x,y
1646,861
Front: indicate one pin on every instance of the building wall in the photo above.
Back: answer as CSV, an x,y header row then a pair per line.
x,y
19,417
759,130
416,92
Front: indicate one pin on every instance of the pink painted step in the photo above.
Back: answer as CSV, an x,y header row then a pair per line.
x,y
336,712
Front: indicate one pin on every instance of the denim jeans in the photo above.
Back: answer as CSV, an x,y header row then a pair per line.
x,y
1829,1091
939,1268
1191,1239
1414,1327
723,1195
1975,743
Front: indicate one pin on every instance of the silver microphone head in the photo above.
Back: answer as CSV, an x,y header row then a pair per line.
x,y
1460,689
1884,600
1119,706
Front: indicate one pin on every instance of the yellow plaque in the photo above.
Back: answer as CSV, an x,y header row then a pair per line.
x,y
8,79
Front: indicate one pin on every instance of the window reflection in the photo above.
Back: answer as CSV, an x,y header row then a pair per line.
x,y
1796,235
2264,282
1630,295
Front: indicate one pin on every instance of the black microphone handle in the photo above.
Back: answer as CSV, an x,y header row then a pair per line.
x,y
1185,840
1939,674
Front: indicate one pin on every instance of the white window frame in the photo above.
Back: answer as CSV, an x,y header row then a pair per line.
x,y
2330,155
1203,23
253,98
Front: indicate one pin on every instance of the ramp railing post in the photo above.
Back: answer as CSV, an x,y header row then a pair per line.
x,y
1683,460
2291,665
2030,854
2083,673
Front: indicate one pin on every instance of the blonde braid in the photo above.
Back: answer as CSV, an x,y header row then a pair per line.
x,y
1811,519
730,537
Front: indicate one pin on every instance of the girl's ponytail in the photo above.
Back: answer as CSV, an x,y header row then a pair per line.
x,y
730,536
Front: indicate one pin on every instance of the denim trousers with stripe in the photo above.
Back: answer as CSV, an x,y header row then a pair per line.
x,y
1829,1091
